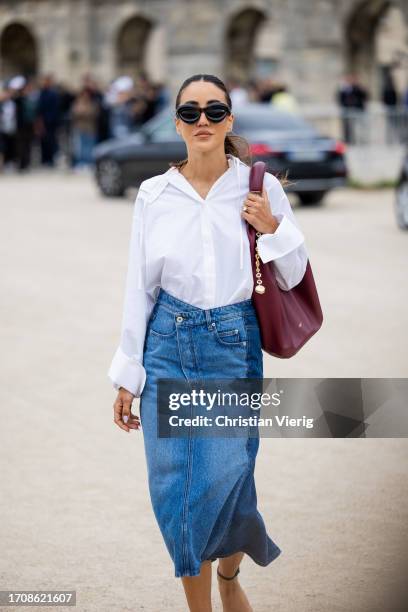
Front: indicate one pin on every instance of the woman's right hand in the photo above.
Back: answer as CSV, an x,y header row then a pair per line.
x,y
123,416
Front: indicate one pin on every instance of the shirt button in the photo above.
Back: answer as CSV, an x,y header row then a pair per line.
x,y
212,324
179,319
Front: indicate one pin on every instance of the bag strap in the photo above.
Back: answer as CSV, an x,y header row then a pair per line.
x,y
256,178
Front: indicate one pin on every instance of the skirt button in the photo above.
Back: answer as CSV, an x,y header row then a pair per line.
x,y
179,319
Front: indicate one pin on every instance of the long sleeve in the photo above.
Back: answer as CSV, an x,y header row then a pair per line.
x,y
126,369
286,246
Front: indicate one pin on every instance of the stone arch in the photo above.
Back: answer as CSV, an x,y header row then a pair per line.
x,y
131,44
361,27
240,42
403,5
18,51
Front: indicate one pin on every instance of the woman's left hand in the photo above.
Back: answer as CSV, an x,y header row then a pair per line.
x,y
258,212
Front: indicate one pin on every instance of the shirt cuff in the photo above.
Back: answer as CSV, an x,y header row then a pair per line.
x,y
127,372
286,238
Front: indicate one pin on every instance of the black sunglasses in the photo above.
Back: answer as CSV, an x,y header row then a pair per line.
x,y
216,112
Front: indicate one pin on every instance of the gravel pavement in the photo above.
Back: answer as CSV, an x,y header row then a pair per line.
x,y
74,505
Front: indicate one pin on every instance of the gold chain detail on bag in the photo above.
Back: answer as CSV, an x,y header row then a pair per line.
x,y
260,288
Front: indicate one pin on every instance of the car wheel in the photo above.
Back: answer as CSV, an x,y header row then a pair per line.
x,y
109,178
308,198
401,205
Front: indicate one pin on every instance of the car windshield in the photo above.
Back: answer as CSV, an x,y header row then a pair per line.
x,y
161,126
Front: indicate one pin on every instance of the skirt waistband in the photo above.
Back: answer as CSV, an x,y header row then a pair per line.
x,y
199,315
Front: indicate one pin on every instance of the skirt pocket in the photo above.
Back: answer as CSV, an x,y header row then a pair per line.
x,y
162,324
230,332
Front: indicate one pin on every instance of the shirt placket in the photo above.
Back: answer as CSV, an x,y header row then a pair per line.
x,y
208,257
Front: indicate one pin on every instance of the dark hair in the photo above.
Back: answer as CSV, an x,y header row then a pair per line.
x,y
233,144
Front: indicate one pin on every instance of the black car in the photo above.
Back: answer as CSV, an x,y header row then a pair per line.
x,y
401,197
313,163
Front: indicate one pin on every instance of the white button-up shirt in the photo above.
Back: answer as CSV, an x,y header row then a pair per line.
x,y
197,249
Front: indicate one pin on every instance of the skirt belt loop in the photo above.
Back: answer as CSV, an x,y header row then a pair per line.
x,y
209,319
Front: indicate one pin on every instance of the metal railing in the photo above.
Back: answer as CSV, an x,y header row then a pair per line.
x,y
375,126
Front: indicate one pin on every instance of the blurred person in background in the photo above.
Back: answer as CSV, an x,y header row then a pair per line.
x,y
121,100
102,121
253,90
266,89
150,99
405,99
238,93
404,122
138,111
2,98
84,117
148,94
48,120
8,126
162,96
352,98
389,96
67,97
283,99
26,99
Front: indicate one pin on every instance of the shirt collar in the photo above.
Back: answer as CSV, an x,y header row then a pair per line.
x,y
179,181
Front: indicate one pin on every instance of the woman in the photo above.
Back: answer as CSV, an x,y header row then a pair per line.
x,y
188,315
84,115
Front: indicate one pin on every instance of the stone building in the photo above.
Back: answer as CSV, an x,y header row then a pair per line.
x,y
307,43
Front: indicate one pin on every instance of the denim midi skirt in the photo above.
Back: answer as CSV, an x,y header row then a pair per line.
x,y
202,489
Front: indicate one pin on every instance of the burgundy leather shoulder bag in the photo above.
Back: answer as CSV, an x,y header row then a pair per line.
x,y
287,319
